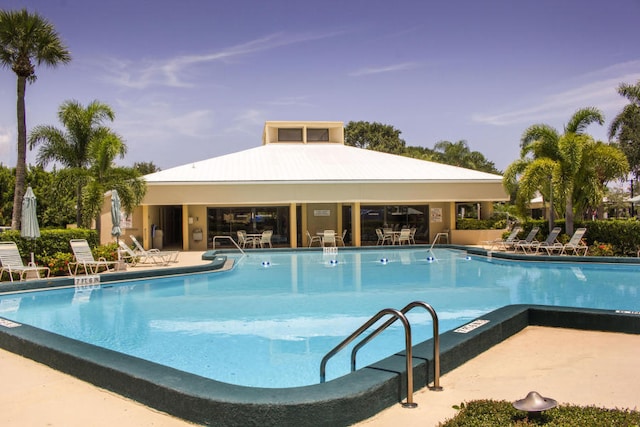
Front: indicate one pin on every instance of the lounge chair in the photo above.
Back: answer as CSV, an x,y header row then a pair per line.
x,y
265,238
340,238
127,254
12,263
522,244
84,258
504,244
550,245
575,244
329,237
154,255
313,239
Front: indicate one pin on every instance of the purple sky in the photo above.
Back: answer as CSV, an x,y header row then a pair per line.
x,y
190,80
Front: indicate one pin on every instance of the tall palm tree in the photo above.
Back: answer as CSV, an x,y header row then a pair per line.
x,y
567,167
625,127
71,147
103,175
26,38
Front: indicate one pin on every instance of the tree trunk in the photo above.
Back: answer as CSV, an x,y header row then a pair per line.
x,y
568,216
21,165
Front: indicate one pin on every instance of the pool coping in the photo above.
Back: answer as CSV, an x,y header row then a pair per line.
x,y
342,401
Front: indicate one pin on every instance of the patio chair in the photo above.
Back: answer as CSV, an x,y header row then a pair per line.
x,y
84,258
504,244
265,239
340,238
550,245
313,239
12,263
412,235
154,254
329,237
522,244
244,240
404,236
575,244
382,237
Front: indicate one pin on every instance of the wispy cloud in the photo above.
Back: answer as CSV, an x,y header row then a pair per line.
x,y
298,101
173,72
386,69
246,122
597,90
5,142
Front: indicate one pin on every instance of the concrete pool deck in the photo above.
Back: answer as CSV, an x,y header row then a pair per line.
x,y
571,366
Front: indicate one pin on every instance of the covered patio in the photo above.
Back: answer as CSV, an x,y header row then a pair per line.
x,y
303,178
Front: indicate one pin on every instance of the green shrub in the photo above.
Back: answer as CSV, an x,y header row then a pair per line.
x,y
601,249
58,263
50,242
491,413
108,252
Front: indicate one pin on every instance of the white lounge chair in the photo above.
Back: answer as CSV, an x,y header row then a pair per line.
x,y
127,254
313,239
575,245
154,255
522,244
550,245
12,263
340,238
84,258
504,244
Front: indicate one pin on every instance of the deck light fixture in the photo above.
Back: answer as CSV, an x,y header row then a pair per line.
x,y
534,403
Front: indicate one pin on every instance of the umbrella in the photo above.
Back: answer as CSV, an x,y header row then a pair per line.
x,y
29,224
115,214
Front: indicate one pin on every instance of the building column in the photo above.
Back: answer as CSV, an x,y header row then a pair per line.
x,y
293,226
355,223
304,225
452,219
146,231
185,227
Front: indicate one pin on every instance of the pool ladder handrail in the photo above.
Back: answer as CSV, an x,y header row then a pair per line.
x,y
436,340
229,238
407,336
437,239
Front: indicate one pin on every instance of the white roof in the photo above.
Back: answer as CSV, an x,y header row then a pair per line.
x,y
316,162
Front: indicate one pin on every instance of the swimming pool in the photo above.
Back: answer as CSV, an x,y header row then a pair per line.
x,y
269,321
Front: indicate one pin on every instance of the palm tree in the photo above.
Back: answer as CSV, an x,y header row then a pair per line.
x,y
26,38
459,154
103,175
70,147
570,167
626,126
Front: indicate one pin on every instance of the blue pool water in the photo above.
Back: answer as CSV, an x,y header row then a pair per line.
x,y
269,322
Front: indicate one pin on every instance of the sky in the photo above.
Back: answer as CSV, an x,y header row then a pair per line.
x,y
190,80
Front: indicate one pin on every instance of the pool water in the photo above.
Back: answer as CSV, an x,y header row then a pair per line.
x,y
270,320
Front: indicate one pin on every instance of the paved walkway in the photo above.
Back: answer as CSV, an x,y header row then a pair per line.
x,y
580,367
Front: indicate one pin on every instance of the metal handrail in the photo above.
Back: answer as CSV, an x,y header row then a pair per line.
x,y
230,238
408,356
437,239
436,340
